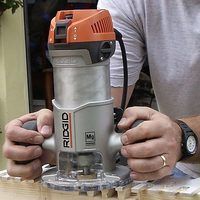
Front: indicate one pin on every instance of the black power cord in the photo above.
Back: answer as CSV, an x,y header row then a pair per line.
x,y
119,111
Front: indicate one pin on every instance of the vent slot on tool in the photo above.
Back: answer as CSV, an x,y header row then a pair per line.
x,y
102,26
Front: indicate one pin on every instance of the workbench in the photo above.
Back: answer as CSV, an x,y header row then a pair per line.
x,y
169,188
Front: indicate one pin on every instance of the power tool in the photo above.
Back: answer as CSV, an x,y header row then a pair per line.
x,y
80,44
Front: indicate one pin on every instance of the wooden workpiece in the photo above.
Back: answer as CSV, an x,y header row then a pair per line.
x,y
169,188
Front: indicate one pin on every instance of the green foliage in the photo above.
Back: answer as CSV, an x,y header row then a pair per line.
x,y
13,4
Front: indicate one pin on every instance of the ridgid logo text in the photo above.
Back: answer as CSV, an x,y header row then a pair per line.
x,y
66,120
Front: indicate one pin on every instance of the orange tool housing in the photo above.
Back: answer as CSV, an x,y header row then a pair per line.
x,y
75,26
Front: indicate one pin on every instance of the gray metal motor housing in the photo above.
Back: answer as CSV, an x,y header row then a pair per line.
x,y
83,106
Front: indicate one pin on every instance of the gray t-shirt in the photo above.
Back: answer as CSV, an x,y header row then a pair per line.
x,y
168,33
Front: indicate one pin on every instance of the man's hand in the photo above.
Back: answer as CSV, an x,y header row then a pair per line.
x,y
33,152
146,144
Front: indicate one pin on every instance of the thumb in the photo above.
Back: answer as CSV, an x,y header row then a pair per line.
x,y
132,114
45,122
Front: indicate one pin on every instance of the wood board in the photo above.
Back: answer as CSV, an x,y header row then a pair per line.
x,y
169,188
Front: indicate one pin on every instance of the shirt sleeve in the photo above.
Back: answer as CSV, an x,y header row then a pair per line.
x,y
127,21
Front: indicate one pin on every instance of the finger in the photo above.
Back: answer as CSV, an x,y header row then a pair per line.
x,y
147,149
133,113
147,165
28,117
144,131
16,133
45,122
31,170
152,175
21,153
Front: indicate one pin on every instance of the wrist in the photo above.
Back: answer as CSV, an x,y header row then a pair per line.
x,y
179,141
189,140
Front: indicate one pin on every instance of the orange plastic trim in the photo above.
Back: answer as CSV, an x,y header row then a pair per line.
x,y
85,26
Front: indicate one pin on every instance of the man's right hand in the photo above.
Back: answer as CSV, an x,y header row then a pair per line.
x,y
15,134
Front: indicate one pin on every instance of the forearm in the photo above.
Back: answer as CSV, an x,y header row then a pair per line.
x,y
194,123
116,93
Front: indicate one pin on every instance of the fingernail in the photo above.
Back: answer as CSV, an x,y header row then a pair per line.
x,y
38,139
122,122
124,139
124,152
45,130
37,152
